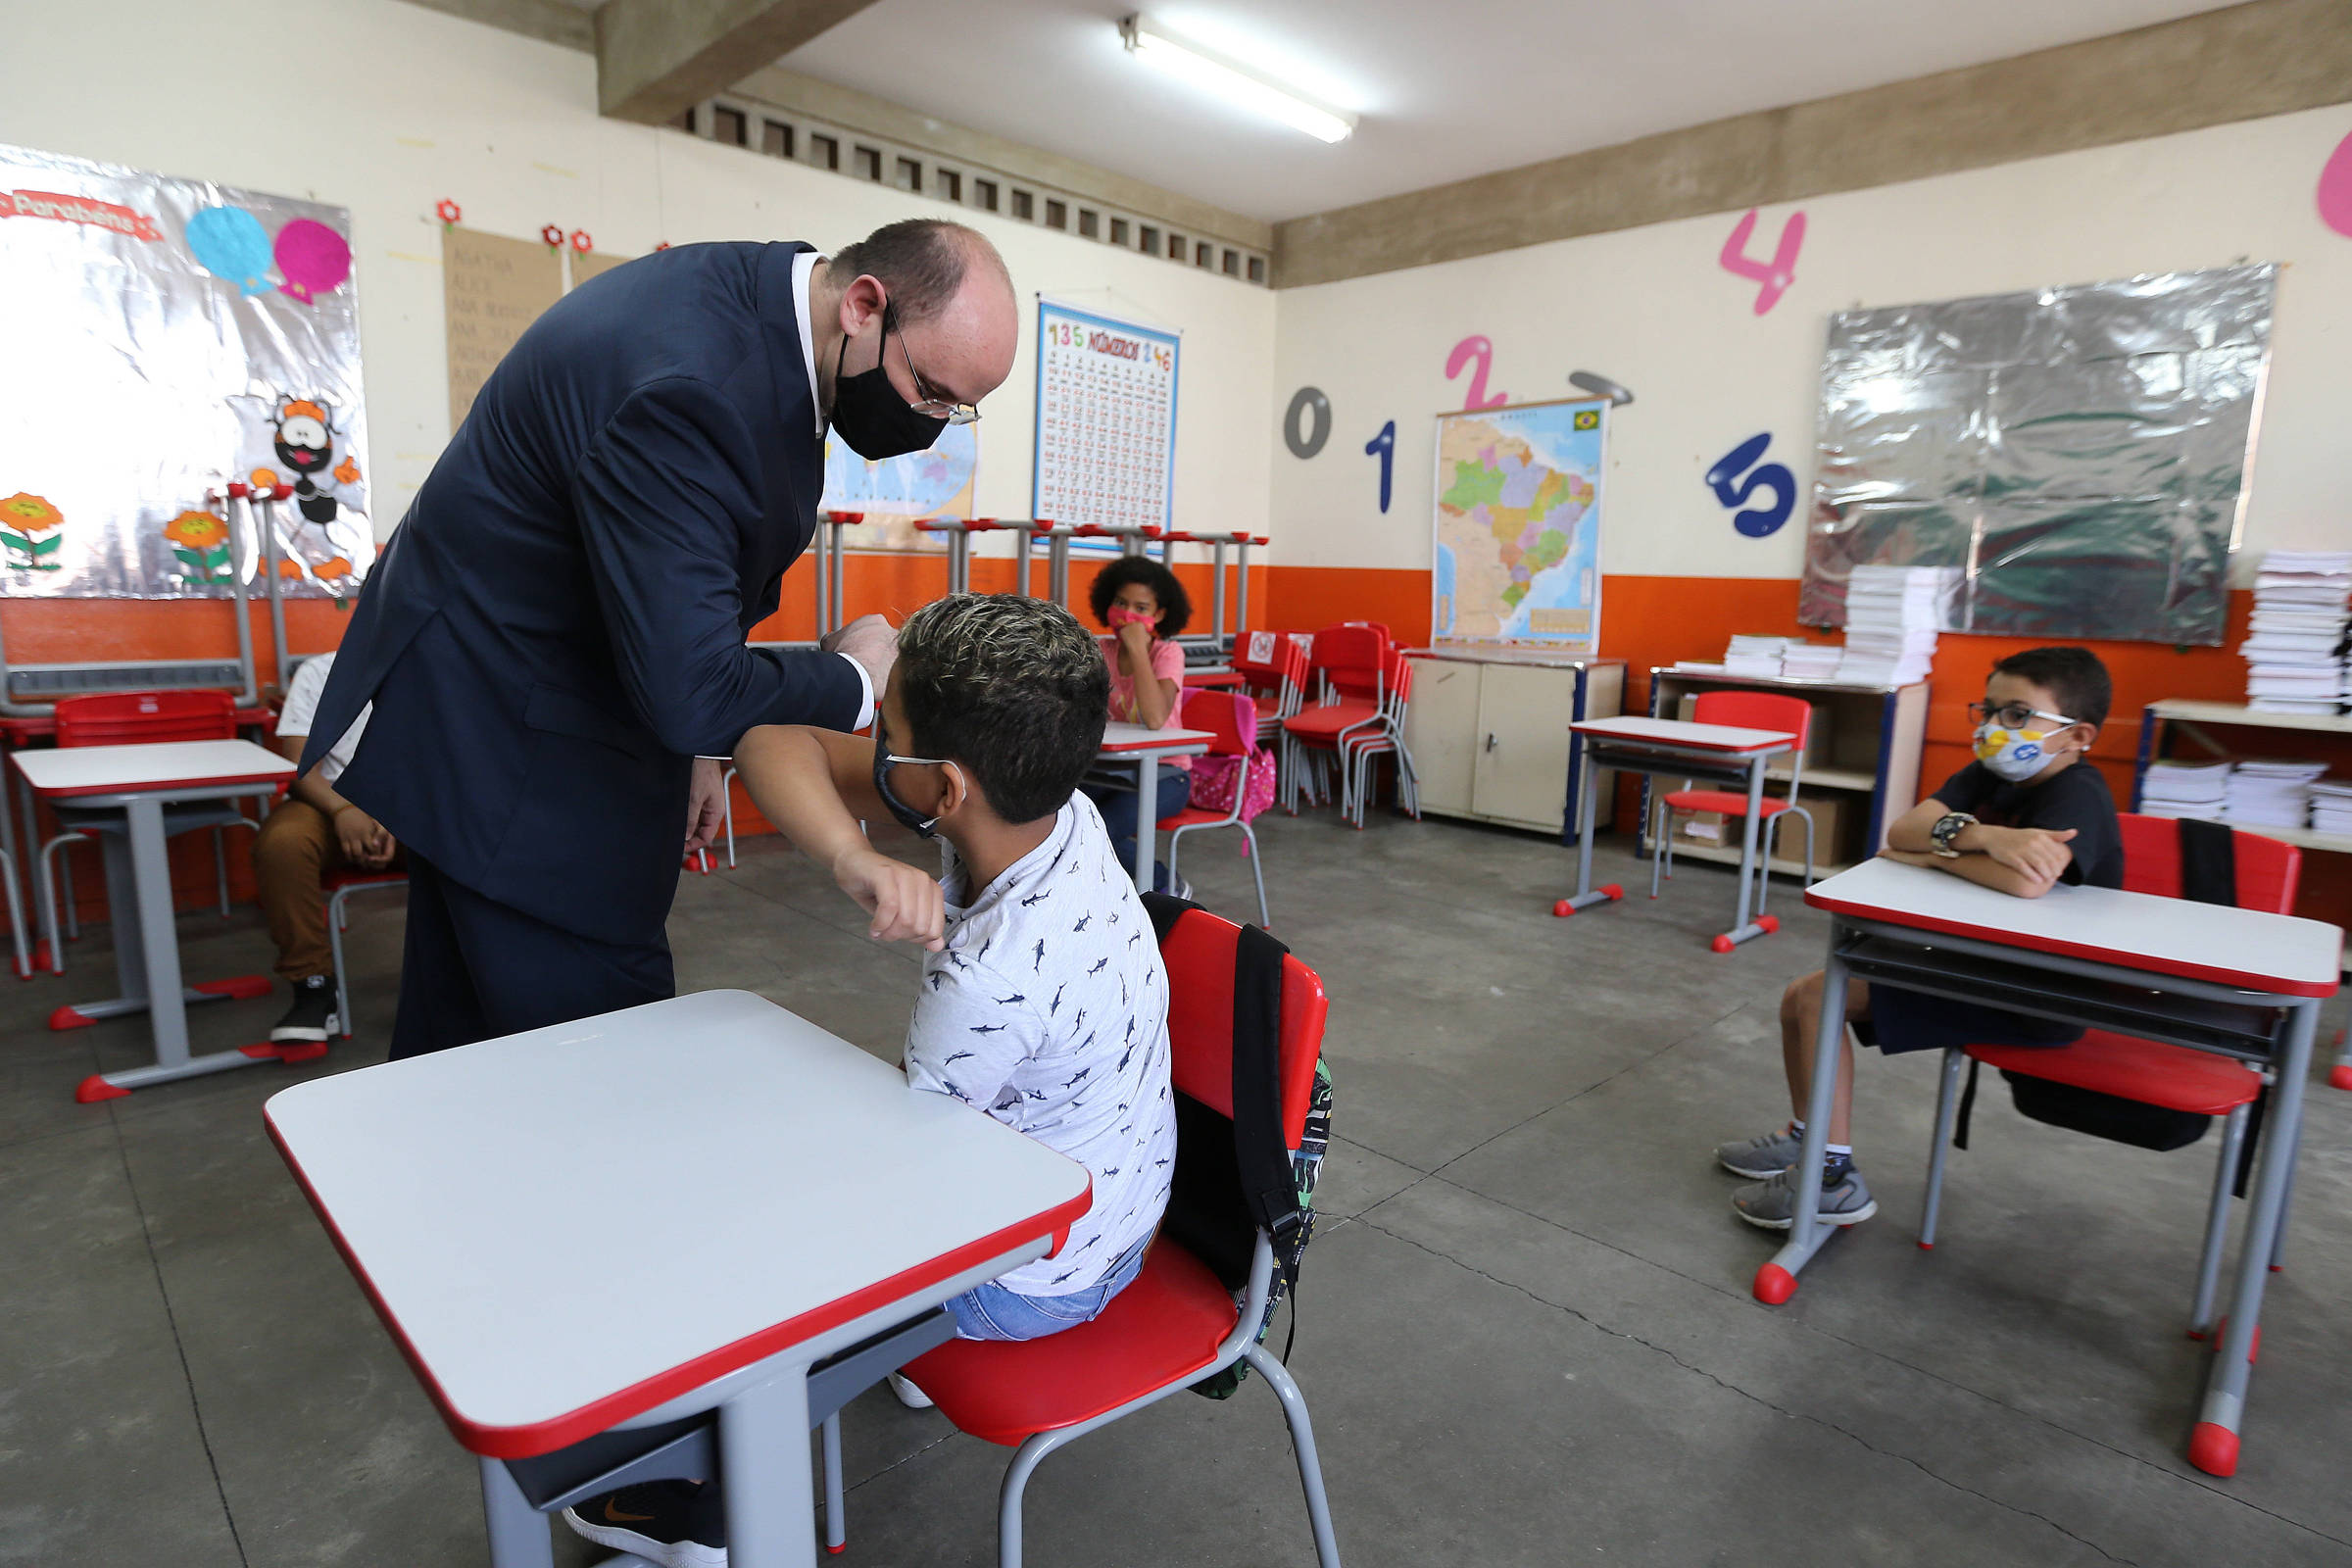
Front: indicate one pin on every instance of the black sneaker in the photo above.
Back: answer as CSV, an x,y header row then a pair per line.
x,y
678,1524
313,1015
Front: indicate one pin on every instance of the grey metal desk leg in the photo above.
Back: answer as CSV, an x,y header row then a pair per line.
x,y
158,942
764,1465
1776,1281
1751,829
2213,1447
1146,819
1587,806
519,1536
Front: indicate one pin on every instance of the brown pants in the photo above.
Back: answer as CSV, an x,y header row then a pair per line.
x,y
295,850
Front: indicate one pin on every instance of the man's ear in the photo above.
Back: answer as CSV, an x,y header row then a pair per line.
x,y
956,788
860,301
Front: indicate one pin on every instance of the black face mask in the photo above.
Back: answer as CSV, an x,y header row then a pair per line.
x,y
868,412
909,817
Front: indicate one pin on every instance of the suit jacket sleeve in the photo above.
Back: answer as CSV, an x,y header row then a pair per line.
x,y
666,494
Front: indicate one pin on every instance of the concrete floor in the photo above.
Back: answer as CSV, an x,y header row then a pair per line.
x,y
1526,1332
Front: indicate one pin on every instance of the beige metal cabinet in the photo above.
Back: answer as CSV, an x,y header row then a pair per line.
x,y
1489,730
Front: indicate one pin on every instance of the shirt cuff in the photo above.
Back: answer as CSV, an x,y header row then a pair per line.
x,y
865,685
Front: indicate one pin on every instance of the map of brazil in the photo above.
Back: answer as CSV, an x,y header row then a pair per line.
x,y
1518,525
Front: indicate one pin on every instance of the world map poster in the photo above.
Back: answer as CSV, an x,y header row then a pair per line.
x,y
1517,526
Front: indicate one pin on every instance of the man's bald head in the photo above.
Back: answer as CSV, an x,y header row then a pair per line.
x,y
950,294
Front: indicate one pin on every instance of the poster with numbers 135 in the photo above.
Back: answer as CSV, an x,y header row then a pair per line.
x,y
1106,421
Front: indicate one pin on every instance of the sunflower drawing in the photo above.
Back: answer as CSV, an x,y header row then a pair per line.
x,y
201,542
29,531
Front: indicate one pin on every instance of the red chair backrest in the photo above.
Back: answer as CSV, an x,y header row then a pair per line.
x,y
1198,953
1353,649
129,718
2268,869
1269,657
1230,717
1756,711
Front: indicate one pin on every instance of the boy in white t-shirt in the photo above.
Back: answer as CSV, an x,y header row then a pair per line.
x,y
312,832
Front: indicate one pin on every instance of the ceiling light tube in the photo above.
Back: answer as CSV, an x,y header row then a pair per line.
x,y
1232,81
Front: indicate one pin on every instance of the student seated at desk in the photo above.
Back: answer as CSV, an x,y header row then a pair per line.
x,y
312,832
1145,607
2027,813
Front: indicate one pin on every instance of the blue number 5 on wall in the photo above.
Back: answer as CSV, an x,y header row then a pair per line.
x,y
1756,522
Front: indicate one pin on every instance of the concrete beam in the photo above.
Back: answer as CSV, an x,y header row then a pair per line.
x,y
548,21
657,58
2270,57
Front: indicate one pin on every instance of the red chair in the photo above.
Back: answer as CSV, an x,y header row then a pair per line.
x,y
135,718
1231,721
338,887
1751,710
1349,664
2171,1077
1178,1323
1273,670
1384,737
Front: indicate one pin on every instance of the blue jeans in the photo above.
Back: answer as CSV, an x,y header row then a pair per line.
x,y
992,1312
1117,806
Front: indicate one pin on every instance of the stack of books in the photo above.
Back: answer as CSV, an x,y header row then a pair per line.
x,y
1755,656
2295,652
1891,617
2332,806
1811,661
2186,789
2273,793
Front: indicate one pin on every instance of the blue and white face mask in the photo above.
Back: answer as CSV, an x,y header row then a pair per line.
x,y
2015,754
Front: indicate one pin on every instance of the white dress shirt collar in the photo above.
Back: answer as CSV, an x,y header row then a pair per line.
x,y
804,267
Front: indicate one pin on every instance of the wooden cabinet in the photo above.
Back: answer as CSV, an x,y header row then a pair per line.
x,y
1489,731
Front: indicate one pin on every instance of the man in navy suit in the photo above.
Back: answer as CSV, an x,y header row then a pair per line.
x,y
556,634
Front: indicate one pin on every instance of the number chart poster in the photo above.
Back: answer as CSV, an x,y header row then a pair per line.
x,y
1517,525
1106,421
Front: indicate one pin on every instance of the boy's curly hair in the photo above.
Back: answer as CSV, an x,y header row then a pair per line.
x,y
1013,688
1175,605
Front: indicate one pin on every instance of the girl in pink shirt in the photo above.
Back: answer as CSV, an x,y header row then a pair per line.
x,y
1145,607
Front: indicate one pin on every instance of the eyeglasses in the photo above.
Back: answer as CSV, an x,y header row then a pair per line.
x,y
936,408
2013,715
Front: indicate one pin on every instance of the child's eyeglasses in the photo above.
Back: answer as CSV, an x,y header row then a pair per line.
x,y
2013,715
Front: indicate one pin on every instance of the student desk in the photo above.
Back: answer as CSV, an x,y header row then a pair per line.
x,y
1145,748
665,1211
140,781
1675,748
2235,982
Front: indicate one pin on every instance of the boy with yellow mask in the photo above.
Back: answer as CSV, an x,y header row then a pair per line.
x,y
2022,817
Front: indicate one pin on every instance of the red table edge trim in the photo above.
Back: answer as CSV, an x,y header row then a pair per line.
x,y
1200,738
68,792
1635,737
2268,986
601,1416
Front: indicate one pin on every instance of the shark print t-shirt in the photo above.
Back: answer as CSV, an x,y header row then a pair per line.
x,y
1048,1009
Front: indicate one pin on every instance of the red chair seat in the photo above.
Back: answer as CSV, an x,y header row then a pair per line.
x,y
2172,1077
1724,801
1167,1323
1268,707
1326,719
1193,815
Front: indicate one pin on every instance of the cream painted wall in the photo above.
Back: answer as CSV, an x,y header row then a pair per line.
x,y
385,108
1652,309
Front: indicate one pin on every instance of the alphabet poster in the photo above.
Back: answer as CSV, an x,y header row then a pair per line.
x,y
1106,419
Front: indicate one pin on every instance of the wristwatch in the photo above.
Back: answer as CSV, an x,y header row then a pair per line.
x,y
1947,828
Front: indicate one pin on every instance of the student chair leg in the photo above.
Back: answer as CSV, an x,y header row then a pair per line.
x,y
65,875
519,1533
1303,1445
1024,1464
1257,870
1947,1113
1659,813
337,917
16,917
726,806
220,867
45,889
2217,1224
837,1515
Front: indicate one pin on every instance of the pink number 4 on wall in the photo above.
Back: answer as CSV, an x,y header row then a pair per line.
x,y
1773,277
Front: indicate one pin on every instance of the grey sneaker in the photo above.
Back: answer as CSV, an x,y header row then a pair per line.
x,y
1770,1204
1767,1154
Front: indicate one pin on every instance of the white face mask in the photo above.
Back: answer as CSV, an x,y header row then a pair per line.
x,y
2014,754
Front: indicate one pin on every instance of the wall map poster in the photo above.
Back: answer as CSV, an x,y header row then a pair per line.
x,y
1106,419
1517,525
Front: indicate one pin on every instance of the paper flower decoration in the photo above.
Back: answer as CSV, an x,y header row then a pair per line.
x,y
263,478
581,242
347,472
289,568
201,542
30,532
331,571
447,211
24,513
553,236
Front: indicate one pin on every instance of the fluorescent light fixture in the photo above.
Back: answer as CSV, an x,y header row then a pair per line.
x,y
1233,81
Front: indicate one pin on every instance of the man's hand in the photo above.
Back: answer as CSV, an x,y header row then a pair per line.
x,y
907,904
872,642
705,803
2030,851
365,843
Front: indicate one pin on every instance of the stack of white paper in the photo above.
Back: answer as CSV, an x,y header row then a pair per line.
x,y
2295,651
2273,793
2186,789
1811,661
1891,617
1755,656
2332,806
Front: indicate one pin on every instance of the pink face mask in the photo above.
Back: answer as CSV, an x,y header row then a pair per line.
x,y
1122,615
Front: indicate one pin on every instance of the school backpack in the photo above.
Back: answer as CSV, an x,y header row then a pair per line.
x,y
1216,1208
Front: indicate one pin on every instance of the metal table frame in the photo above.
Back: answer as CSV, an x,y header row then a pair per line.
x,y
1147,758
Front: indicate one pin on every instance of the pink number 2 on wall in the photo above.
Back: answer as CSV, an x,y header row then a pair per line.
x,y
1774,275
1479,354
2335,189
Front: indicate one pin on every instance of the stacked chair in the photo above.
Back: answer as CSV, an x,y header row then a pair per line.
x,y
1361,683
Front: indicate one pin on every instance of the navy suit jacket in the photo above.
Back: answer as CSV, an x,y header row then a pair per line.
x,y
558,627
